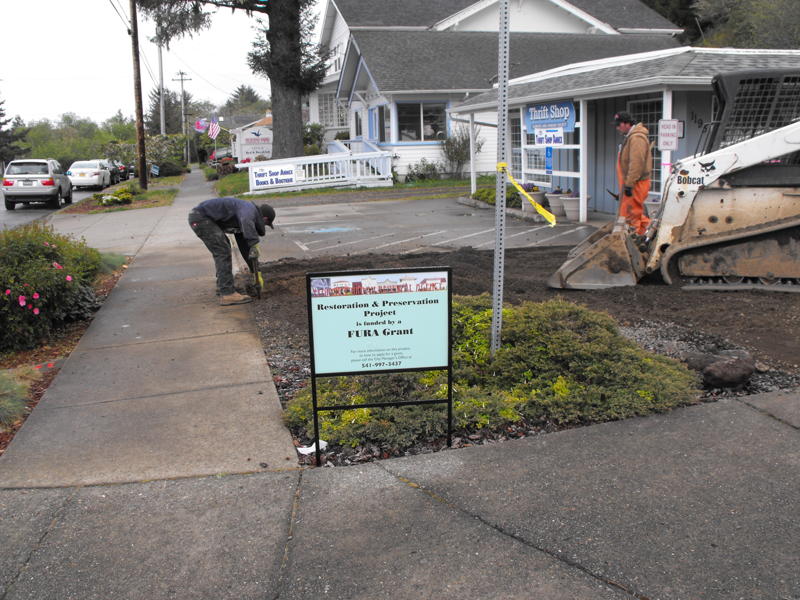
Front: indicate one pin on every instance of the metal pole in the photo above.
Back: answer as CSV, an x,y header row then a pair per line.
x,y
500,189
137,93
182,78
473,179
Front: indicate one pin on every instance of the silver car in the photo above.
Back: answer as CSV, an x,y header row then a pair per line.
x,y
36,180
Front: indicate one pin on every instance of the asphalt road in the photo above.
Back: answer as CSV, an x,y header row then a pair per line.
x,y
25,213
405,226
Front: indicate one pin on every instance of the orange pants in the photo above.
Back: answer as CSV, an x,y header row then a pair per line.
x,y
632,207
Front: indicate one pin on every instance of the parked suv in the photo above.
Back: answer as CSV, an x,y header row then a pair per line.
x,y
36,180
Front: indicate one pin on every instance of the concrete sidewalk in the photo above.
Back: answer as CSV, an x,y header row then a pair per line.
x,y
701,502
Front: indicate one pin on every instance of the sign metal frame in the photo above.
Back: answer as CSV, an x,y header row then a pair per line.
x,y
448,366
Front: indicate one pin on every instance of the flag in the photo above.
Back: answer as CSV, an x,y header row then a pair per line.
x,y
213,128
200,125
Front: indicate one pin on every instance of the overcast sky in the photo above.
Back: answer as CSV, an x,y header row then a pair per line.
x,y
74,56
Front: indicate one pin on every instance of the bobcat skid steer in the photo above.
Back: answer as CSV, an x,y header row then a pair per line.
x,y
729,217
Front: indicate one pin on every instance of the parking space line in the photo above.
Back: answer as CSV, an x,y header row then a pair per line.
x,y
302,246
513,235
552,237
419,237
377,237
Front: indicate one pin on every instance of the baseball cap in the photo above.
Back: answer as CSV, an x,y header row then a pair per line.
x,y
268,213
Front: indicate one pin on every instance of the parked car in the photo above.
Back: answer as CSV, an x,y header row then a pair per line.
x,y
120,168
112,171
90,173
36,180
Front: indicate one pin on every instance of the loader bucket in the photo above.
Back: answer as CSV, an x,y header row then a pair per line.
x,y
607,258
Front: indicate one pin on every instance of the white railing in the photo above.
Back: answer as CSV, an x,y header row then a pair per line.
x,y
363,169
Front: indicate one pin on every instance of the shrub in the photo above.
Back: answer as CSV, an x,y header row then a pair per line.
x,y
487,195
562,365
342,135
424,170
311,149
13,397
455,149
115,198
226,166
45,282
210,173
170,168
260,158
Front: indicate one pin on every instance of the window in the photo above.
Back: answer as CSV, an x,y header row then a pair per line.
x,y
421,122
331,114
357,119
384,124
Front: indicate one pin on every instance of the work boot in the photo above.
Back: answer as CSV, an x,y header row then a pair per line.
x,y
234,298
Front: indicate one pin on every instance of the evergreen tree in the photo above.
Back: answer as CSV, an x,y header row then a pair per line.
x,y
10,137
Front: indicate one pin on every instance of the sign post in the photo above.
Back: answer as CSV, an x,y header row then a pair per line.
x,y
379,322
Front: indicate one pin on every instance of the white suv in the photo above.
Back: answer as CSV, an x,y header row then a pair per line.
x,y
36,180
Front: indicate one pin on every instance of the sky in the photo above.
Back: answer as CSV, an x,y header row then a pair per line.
x,y
75,56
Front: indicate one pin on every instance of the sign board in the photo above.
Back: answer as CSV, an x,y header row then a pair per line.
x,y
254,141
548,160
366,321
669,132
549,137
154,170
275,175
553,114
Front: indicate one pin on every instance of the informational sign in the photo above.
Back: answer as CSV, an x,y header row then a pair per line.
x,y
554,114
669,132
254,141
275,175
154,170
548,160
379,321
549,137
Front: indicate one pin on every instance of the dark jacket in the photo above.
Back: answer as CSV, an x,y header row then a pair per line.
x,y
233,215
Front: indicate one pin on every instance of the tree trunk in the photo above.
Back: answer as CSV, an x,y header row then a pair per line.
x,y
287,121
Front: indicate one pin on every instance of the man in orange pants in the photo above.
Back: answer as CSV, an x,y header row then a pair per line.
x,y
634,164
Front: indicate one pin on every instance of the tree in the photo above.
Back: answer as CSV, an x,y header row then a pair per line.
x,y
172,112
750,23
10,137
679,12
121,128
284,53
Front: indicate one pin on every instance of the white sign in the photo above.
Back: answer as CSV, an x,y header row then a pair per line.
x,y
552,136
669,132
274,175
254,141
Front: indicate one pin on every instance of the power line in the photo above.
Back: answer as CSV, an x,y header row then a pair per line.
x,y
194,72
147,66
125,21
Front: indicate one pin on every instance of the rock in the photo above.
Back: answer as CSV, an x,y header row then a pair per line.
x,y
728,373
698,361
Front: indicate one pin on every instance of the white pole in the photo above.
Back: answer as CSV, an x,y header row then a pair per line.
x,y
666,155
473,179
583,168
500,189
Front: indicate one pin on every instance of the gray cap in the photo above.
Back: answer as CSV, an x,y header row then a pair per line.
x,y
268,213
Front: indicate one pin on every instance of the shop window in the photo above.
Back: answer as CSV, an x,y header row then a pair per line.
x,y
421,122
648,113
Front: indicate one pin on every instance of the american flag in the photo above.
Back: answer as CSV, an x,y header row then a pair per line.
x,y
213,128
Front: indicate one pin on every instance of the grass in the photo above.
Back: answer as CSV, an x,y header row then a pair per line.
x,y
160,192
239,183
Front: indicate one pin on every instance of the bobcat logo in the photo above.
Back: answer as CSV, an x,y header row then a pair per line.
x,y
707,167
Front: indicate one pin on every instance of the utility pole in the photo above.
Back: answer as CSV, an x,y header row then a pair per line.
x,y
137,93
182,78
161,92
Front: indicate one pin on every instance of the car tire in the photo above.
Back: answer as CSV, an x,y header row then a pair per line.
x,y
55,202
68,197
9,204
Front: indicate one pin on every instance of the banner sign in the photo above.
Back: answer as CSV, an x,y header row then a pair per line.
x,y
553,114
549,137
274,175
379,321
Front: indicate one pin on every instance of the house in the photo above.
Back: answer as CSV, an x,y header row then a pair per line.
x,y
672,85
397,68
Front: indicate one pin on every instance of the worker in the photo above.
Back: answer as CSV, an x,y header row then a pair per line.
x,y
212,219
634,164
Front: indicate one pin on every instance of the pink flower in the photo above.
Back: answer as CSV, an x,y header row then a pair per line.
x,y
57,266
35,295
25,285
69,277
8,292
36,311
30,306
46,244
21,300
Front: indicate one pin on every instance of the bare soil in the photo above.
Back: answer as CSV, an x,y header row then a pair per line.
x,y
665,319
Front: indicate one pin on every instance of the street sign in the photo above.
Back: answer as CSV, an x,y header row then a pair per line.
x,y
669,132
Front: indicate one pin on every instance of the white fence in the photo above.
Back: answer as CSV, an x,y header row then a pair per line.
x,y
362,169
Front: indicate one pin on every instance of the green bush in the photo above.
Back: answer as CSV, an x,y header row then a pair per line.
x,y
487,195
170,168
45,282
311,149
559,365
424,170
115,198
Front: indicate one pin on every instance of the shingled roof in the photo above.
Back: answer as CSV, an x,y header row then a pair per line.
x,y
449,61
631,14
681,66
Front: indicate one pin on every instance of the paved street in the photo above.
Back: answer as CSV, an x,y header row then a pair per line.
x,y
25,213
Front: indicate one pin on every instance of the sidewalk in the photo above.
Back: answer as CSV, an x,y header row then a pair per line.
x,y
131,479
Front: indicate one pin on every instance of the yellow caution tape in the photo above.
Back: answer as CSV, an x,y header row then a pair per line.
x,y
548,216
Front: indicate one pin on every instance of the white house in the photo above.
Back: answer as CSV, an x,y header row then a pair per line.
x,y
398,67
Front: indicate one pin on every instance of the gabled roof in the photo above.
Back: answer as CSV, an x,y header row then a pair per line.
x,y
685,67
448,61
619,14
